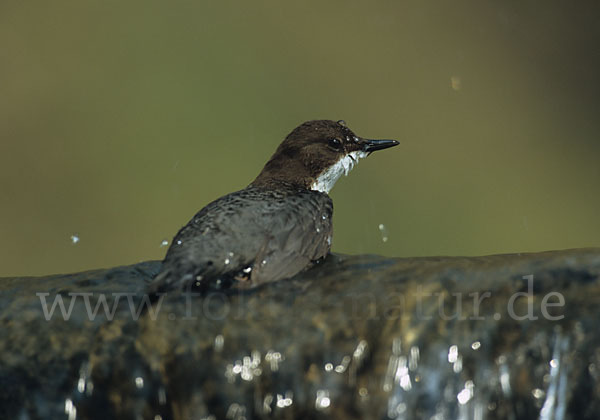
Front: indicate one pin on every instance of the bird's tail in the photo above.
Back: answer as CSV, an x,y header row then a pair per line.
x,y
169,280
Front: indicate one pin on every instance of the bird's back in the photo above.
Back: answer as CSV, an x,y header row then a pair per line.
x,y
249,237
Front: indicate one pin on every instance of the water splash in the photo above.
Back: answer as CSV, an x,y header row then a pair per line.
x,y
556,396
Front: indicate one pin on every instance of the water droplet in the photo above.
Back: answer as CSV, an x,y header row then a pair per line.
x,y
452,354
234,411
274,358
322,401
464,396
164,243
139,382
179,242
219,342
284,401
318,230
476,345
402,376
324,217
162,396
226,261
267,403
70,409
231,254
237,368
74,238
81,385
504,378
554,363
457,367
360,350
247,270
263,262
455,83
328,367
413,359
538,393
287,401
384,232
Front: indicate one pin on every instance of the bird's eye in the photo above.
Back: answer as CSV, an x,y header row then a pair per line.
x,y
335,143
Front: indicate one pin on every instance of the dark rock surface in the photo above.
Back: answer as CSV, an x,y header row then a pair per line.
x,y
357,337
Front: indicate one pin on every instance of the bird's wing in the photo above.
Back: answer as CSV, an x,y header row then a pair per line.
x,y
294,241
272,235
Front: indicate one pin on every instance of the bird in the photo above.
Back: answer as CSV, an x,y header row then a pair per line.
x,y
276,227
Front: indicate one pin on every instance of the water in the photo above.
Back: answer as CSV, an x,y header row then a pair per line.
x,y
313,345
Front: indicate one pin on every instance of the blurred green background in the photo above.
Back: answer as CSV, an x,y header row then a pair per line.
x,y
119,120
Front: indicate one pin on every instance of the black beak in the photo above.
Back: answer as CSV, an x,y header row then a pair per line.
x,y
373,145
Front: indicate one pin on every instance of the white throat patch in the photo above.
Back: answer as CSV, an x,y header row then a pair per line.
x,y
327,179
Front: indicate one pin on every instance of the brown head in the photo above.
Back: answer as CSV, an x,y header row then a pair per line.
x,y
316,153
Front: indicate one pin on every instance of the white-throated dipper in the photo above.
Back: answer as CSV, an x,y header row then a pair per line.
x,y
277,226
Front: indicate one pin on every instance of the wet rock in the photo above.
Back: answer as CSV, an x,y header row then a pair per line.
x,y
357,337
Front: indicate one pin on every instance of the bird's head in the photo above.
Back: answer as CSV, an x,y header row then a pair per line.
x,y
316,154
